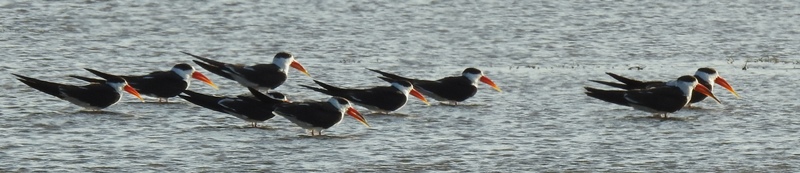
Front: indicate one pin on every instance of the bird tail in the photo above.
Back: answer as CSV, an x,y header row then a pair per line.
x,y
616,97
210,65
629,83
87,79
326,89
389,75
263,97
43,86
200,99
611,84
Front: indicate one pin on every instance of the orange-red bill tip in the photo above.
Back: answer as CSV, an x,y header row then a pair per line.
x,y
204,79
133,91
488,81
298,66
418,95
722,82
702,89
357,115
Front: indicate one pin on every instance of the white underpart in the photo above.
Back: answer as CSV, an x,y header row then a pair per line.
x,y
76,101
473,77
431,95
184,74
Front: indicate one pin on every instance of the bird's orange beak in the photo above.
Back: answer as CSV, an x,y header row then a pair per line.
x,y
702,89
201,77
357,115
133,91
486,80
725,85
298,66
418,95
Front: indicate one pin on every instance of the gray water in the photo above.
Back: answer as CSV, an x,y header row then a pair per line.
x,y
540,53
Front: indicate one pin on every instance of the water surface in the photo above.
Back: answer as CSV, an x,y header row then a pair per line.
x,y
541,53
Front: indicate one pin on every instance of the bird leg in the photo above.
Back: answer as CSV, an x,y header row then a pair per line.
x,y
656,115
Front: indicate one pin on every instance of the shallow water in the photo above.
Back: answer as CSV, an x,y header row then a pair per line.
x,y
540,53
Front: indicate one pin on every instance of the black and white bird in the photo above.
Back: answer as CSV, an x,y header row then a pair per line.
x,y
95,96
452,89
704,76
162,84
253,108
260,76
318,116
658,100
382,99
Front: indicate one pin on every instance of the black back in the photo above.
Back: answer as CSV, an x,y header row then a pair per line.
x,y
98,95
664,98
162,84
381,98
455,88
318,114
264,75
244,107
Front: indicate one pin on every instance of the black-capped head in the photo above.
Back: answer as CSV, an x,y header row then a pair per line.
x,y
183,66
707,70
341,101
285,55
115,80
687,78
706,75
404,83
471,71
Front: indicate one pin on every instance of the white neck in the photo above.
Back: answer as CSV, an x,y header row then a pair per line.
x,y
184,74
335,103
117,86
402,88
710,78
283,63
686,87
473,77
